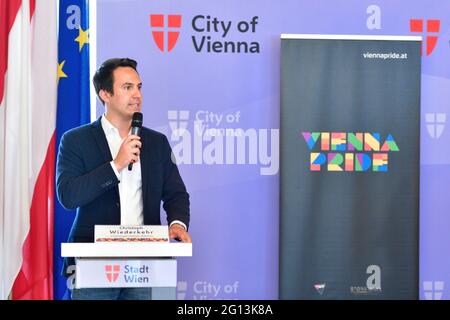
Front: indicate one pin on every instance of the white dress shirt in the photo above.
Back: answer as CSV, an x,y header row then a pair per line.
x,y
130,186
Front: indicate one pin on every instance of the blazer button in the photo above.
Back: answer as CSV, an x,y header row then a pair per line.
x,y
117,205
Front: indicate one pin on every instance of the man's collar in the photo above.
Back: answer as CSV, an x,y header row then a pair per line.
x,y
107,126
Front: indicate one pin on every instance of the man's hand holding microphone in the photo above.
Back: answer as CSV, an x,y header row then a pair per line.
x,y
129,152
131,147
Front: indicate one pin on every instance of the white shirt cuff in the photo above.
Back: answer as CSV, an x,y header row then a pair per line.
x,y
115,170
178,222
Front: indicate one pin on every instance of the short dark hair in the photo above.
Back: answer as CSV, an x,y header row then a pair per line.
x,y
103,78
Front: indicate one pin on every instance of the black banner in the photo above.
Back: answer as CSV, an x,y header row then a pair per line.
x,y
349,216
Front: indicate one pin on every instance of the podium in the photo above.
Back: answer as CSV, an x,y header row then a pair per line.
x,y
128,265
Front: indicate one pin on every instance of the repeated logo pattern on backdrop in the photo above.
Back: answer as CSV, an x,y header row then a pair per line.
x,y
435,123
201,59
207,143
430,33
433,290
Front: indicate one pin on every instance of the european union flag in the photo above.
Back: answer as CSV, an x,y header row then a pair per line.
x,y
73,107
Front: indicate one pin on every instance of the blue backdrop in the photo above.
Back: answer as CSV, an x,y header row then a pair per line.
x,y
211,69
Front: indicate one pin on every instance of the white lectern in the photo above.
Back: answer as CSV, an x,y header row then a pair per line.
x,y
128,265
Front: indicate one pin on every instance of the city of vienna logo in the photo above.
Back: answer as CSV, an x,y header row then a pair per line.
x,y
112,272
178,121
181,290
165,30
430,32
435,124
433,290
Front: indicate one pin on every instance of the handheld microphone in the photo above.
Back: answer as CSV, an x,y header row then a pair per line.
x,y
136,125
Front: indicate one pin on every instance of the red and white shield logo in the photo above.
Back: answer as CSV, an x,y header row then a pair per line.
x,y
430,32
112,272
165,27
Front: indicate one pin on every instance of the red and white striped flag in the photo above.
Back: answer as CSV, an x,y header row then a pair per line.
x,y
28,91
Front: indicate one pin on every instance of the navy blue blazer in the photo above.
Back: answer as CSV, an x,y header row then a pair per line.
x,y
85,181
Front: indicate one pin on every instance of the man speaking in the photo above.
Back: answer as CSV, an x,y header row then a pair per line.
x,y
114,177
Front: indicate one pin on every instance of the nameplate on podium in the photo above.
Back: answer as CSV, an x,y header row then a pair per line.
x,y
117,233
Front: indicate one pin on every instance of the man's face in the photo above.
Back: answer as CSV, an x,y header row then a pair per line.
x,y
127,97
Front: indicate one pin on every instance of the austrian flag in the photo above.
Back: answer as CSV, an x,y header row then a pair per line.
x,y
28,87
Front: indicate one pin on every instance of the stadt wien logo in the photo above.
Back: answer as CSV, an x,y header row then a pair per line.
x,y
112,272
165,30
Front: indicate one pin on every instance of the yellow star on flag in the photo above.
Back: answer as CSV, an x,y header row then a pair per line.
x,y
61,73
83,37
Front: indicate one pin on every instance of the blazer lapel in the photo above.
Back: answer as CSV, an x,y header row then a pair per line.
x,y
100,138
103,147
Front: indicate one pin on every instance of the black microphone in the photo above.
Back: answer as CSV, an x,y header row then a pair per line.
x,y
136,125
